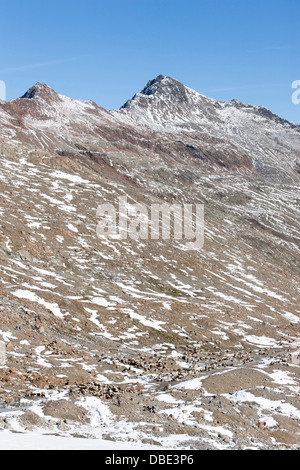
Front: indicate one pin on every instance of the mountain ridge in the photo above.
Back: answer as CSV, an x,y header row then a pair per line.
x,y
166,111
41,88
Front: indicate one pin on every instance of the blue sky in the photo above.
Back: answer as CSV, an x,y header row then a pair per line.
x,y
106,50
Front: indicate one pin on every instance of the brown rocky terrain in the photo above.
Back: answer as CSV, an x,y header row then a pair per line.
x,y
144,340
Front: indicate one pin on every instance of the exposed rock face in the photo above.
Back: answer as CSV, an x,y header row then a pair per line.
x,y
200,344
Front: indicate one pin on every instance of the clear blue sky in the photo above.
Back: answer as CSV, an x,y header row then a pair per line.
x,y
106,50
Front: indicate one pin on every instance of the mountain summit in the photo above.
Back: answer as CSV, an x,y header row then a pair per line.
x,y
166,101
41,90
161,85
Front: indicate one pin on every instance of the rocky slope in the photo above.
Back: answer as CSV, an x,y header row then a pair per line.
x,y
143,339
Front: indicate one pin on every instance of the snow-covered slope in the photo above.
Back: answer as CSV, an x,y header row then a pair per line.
x,y
144,341
166,105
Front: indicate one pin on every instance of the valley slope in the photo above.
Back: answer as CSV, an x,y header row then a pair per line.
x,y
145,340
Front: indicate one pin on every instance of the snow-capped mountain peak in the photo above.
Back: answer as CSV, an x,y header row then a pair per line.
x,y
167,106
165,102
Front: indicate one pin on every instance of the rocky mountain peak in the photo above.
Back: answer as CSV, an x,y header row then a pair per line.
x,y
40,90
158,79
165,103
154,85
160,88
